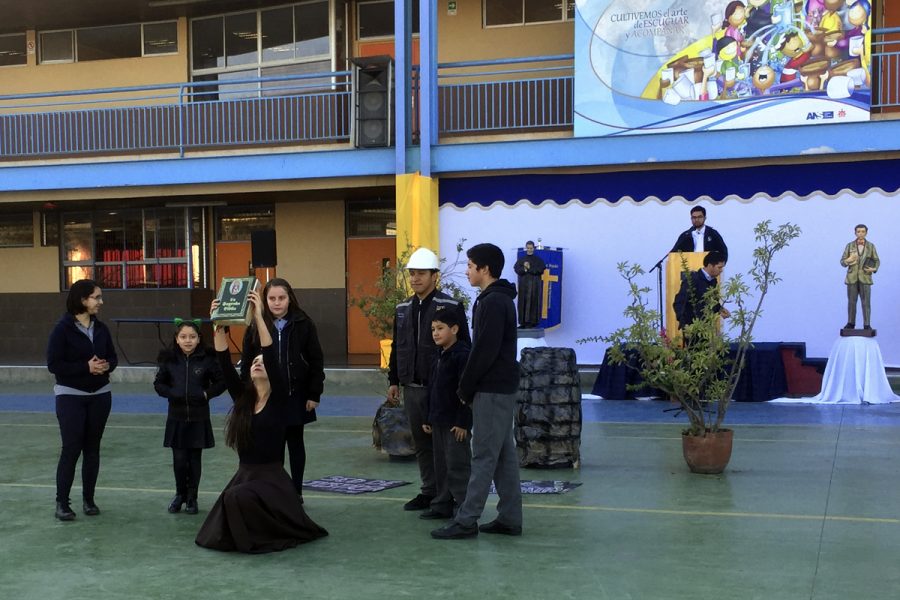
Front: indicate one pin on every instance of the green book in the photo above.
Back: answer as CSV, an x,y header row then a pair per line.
x,y
234,306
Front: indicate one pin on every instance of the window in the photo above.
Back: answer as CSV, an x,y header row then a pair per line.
x,y
371,218
160,38
49,229
129,249
376,19
12,50
104,43
16,230
287,40
236,223
57,46
523,12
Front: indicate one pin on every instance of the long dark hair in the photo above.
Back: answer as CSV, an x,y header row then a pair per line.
x,y
293,305
238,432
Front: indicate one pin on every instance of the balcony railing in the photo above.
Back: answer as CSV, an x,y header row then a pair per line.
x,y
188,116
886,69
514,96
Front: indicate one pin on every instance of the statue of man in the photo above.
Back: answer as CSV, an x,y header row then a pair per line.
x,y
861,260
529,268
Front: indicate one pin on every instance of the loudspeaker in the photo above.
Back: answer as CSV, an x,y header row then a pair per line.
x,y
374,76
262,248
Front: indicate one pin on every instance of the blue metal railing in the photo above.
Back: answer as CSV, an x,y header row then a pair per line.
x,y
886,69
312,107
514,94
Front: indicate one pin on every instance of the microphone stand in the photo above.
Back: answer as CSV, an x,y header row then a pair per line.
x,y
659,289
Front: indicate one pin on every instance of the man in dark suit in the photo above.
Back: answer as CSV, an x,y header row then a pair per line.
x,y
688,303
700,237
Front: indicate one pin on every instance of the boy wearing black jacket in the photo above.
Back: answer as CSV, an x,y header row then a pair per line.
x,y
490,382
448,420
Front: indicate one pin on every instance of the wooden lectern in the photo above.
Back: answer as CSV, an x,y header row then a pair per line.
x,y
674,269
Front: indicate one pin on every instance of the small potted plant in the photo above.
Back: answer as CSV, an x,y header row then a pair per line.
x,y
702,373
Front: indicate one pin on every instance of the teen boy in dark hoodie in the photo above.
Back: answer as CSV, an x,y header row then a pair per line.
x,y
490,383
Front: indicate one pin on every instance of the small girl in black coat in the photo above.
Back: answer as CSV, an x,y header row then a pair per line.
x,y
188,375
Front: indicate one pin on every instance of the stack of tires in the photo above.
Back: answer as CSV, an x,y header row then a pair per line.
x,y
548,419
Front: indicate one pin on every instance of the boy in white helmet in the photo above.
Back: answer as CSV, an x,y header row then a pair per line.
x,y
413,354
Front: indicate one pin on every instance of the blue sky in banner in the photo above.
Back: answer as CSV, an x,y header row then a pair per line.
x,y
657,66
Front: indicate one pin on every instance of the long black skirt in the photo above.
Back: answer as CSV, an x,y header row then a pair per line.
x,y
258,511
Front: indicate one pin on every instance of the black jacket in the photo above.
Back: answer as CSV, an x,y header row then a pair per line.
x,y
69,350
412,360
301,359
688,302
444,408
189,382
492,365
711,241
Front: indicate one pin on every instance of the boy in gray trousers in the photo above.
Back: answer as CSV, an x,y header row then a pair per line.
x,y
490,382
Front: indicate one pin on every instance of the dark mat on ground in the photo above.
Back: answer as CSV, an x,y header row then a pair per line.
x,y
351,485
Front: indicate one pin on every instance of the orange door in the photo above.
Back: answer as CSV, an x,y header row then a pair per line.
x,y
366,257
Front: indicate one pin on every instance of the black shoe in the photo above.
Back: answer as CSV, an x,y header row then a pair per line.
x,y
420,502
850,326
867,327
175,504
190,506
64,512
434,514
455,531
496,526
90,509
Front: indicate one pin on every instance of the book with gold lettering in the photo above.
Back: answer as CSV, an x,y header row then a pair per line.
x,y
234,306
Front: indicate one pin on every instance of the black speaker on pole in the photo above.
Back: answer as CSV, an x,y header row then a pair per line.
x,y
262,248
373,101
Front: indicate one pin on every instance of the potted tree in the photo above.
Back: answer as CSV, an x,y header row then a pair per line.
x,y
702,373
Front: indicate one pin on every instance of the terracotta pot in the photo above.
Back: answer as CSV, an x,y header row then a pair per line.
x,y
708,454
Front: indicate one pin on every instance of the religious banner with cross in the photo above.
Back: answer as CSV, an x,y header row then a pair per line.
x,y
551,290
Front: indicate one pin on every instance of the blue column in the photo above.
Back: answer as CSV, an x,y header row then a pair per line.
x,y
402,47
427,83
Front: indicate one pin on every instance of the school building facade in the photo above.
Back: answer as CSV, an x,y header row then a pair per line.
x,y
142,142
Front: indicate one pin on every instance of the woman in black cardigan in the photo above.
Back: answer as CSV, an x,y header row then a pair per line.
x,y
81,355
300,360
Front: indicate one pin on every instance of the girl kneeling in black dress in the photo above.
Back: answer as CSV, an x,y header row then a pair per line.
x,y
259,510
188,375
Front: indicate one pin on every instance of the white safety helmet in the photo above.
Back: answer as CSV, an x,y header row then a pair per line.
x,y
423,258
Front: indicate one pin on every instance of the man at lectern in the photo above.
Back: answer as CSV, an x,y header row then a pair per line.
x,y
690,302
700,237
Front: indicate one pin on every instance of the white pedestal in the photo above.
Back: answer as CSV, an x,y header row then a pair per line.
x,y
854,375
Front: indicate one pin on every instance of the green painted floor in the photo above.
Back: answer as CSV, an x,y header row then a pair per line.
x,y
802,512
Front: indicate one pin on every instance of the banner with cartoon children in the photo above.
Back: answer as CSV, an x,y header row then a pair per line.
x,y
656,66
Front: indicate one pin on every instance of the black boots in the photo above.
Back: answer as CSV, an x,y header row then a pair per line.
x,y
175,504
191,502
64,512
90,509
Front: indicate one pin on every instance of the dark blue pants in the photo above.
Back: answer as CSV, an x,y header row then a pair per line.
x,y
82,420
297,452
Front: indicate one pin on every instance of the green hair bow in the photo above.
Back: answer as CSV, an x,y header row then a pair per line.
x,y
179,322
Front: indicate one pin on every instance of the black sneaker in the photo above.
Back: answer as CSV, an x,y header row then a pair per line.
x,y
64,512
455,531
434,514
501,528
90,509
176,504
420,502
